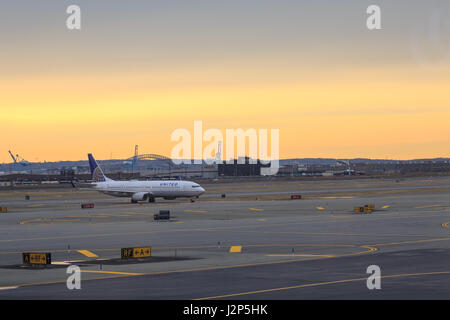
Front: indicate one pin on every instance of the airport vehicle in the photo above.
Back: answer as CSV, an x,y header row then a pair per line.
x,y
142,190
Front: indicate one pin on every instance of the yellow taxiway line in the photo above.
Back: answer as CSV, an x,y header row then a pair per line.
x,y
8,288
88,253
410,242
428,206
114,274
301,255
321,284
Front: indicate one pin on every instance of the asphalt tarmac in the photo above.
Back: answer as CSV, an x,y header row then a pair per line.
x,y
237,247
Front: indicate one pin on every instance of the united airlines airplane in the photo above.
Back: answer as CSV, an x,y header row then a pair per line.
x,y
142,190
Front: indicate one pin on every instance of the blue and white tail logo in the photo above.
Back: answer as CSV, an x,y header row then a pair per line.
x,y
98,175
96,172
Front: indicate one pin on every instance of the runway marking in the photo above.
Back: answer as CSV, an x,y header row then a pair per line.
x,y
58,220
330,233
320,208
116,249
126,274
8,288
88,254
113,272
300,255
196,211
428,206
27,221
234,249
262,220
255,209
46,221
385,207
410,242
213,229
106,215
322,284
142,213
60,263
63,263
431,211
189,247
335,197
224,229
347,217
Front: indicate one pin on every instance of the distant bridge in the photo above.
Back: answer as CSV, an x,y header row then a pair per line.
x,y
133,161
150,156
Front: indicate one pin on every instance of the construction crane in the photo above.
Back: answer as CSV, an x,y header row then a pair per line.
x,y
18,160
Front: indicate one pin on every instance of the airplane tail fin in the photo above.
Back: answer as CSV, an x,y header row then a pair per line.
x,y
97,174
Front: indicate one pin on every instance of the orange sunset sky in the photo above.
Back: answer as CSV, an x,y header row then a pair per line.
x,y
135,73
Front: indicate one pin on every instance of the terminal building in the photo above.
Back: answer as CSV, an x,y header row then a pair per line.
x,y
241,167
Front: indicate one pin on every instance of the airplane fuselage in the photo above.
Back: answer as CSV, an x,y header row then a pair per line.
x,y
142,190
154,189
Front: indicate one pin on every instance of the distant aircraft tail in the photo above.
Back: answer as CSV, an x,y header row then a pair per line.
x,y
96,172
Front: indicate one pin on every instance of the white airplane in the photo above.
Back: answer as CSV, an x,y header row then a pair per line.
x,y
142,190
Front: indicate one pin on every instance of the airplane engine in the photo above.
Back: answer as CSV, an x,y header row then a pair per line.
x,y
140,196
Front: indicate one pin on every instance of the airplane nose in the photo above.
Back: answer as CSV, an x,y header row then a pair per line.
x,y
202,191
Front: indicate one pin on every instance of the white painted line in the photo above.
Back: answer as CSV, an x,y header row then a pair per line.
x,y
8,288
